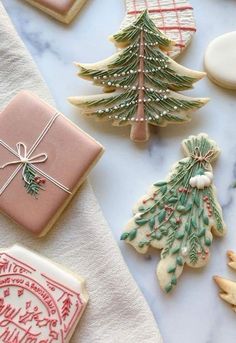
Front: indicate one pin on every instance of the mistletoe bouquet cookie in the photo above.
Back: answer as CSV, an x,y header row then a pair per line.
x,y
140,81
178,215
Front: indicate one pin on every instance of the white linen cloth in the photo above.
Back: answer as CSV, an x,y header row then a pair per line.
x,y
117,311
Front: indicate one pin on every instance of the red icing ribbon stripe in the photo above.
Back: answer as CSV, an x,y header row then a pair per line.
x,y
160,10
180,45
183,28
178,22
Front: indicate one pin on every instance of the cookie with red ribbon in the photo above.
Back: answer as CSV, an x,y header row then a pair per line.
x,y
175,18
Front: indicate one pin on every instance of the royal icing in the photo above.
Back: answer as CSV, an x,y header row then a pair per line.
x,y
142,82
44,162
178,215
62,10
174,17
39,301
220,59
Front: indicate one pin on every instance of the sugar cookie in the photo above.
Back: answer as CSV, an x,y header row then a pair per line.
x,y
228,287
62,10
175,18
179,215
39,300
220,60
142,83
44,158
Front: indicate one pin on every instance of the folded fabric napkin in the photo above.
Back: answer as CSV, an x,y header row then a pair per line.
x,y
117,311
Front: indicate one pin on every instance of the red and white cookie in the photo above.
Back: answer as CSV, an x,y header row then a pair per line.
x,y
39,301
173,17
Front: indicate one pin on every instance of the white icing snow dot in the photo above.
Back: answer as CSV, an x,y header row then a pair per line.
x,y
184,251
220,60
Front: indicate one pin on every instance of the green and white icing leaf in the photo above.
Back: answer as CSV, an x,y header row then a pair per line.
x,y
140,82
181,219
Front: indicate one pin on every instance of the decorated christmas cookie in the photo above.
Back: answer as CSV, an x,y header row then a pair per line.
x,y
227,287
173,17
220,59
178,214
141,82
62,10
44,158
39,301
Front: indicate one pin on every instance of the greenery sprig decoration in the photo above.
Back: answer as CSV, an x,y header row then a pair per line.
x,y
178,215
140,81
33,182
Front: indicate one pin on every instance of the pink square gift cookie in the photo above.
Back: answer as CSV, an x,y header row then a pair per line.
x,y
62,10
44,158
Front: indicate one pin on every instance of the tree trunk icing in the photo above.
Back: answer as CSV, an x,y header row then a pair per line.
x,y
140,130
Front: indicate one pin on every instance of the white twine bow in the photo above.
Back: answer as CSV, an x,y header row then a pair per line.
x,y
25,158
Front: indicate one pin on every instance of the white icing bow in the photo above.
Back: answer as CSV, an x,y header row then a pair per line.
x,y
25,157
201,181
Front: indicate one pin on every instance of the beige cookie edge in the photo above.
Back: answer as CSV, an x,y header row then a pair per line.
x,y
220,83
64,18
227,290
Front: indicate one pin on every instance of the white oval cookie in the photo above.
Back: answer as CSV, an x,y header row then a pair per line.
x,y
220,60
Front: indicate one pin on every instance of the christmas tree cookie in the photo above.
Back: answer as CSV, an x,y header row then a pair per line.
x,y
178,214
140,81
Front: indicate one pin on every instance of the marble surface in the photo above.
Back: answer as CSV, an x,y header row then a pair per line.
x,y
193,312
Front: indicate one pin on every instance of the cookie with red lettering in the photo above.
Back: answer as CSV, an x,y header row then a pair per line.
x,y
62,10
39,301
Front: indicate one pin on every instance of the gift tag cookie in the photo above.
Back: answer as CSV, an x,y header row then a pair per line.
x,y
228,287
39,301
220,59
141,82
175,18
62,10
179,214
